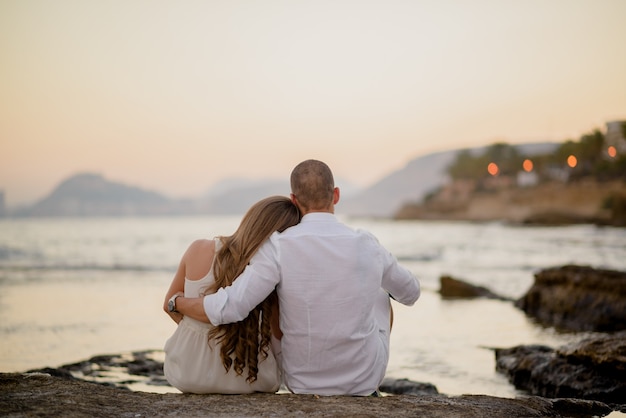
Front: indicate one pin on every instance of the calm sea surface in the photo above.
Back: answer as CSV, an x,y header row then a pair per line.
x,y
74,288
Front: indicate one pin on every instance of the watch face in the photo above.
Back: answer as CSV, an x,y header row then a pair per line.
x,y
171,305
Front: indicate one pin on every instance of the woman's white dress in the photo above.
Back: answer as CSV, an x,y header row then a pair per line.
x,y
193,364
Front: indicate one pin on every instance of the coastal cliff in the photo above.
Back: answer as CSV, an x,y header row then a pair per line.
x,y
552,203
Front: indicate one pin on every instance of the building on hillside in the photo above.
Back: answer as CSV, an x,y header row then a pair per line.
x,y
615,135
527,179
457,190
497,182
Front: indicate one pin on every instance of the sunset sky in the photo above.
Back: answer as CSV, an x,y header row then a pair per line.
x,y
175,95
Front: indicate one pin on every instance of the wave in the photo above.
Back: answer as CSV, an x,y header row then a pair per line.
x,y
432,256
5,267
8,253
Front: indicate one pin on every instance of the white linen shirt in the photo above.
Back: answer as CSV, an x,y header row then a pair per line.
x,y
327,277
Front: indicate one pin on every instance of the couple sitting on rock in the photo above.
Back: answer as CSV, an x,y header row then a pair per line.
x,y
293,297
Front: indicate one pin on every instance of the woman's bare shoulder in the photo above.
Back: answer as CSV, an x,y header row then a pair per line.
x,y
200,246
203,243
199,258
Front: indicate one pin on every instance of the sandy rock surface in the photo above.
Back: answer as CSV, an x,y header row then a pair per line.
x,y
39,394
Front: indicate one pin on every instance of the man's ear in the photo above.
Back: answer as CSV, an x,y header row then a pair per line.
x,y
294,200
336,195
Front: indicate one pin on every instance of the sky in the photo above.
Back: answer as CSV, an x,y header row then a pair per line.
x,y
173,96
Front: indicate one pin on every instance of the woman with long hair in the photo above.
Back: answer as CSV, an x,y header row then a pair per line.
x,y
230,358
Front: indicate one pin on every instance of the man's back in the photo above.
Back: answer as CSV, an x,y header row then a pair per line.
x,y
330,285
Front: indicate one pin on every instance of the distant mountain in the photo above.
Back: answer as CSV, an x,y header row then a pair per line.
x,y
413,182
90,194
416,179
235,196
228,184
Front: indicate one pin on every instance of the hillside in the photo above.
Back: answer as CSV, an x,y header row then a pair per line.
x,y
416,180
235,197
90,194
552,203
413,181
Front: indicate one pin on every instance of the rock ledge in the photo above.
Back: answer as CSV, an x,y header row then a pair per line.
x,y
40,394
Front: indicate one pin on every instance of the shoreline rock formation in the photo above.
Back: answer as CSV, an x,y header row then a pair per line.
x,y
577,298
594,369
574,299
40,394
570,298
452,288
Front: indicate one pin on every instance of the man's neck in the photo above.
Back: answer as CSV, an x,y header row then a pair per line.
x,y
329,210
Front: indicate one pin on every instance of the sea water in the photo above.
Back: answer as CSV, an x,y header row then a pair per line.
x,y
72,288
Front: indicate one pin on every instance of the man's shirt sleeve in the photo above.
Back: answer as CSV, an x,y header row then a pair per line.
x,y
400,283
258,280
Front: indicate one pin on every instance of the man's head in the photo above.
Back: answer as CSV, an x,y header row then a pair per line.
x,y
313,188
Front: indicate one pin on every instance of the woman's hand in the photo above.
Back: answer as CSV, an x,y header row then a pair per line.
x,y
176,316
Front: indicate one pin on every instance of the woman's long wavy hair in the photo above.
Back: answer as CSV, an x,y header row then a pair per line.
x,y
247,342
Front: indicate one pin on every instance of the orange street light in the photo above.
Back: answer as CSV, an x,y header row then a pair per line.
x,y
612,151
493,169
572,161
527,165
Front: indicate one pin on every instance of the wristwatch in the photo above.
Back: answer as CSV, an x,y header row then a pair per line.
x,y
171,304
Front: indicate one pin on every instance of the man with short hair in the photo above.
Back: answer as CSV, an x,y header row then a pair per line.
x,y
333,285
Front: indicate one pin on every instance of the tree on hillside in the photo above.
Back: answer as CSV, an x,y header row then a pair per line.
x,y
589,150
505,156
465,166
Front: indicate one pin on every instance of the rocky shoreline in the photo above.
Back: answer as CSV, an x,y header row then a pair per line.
x,y
571,299
584,379
41,394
